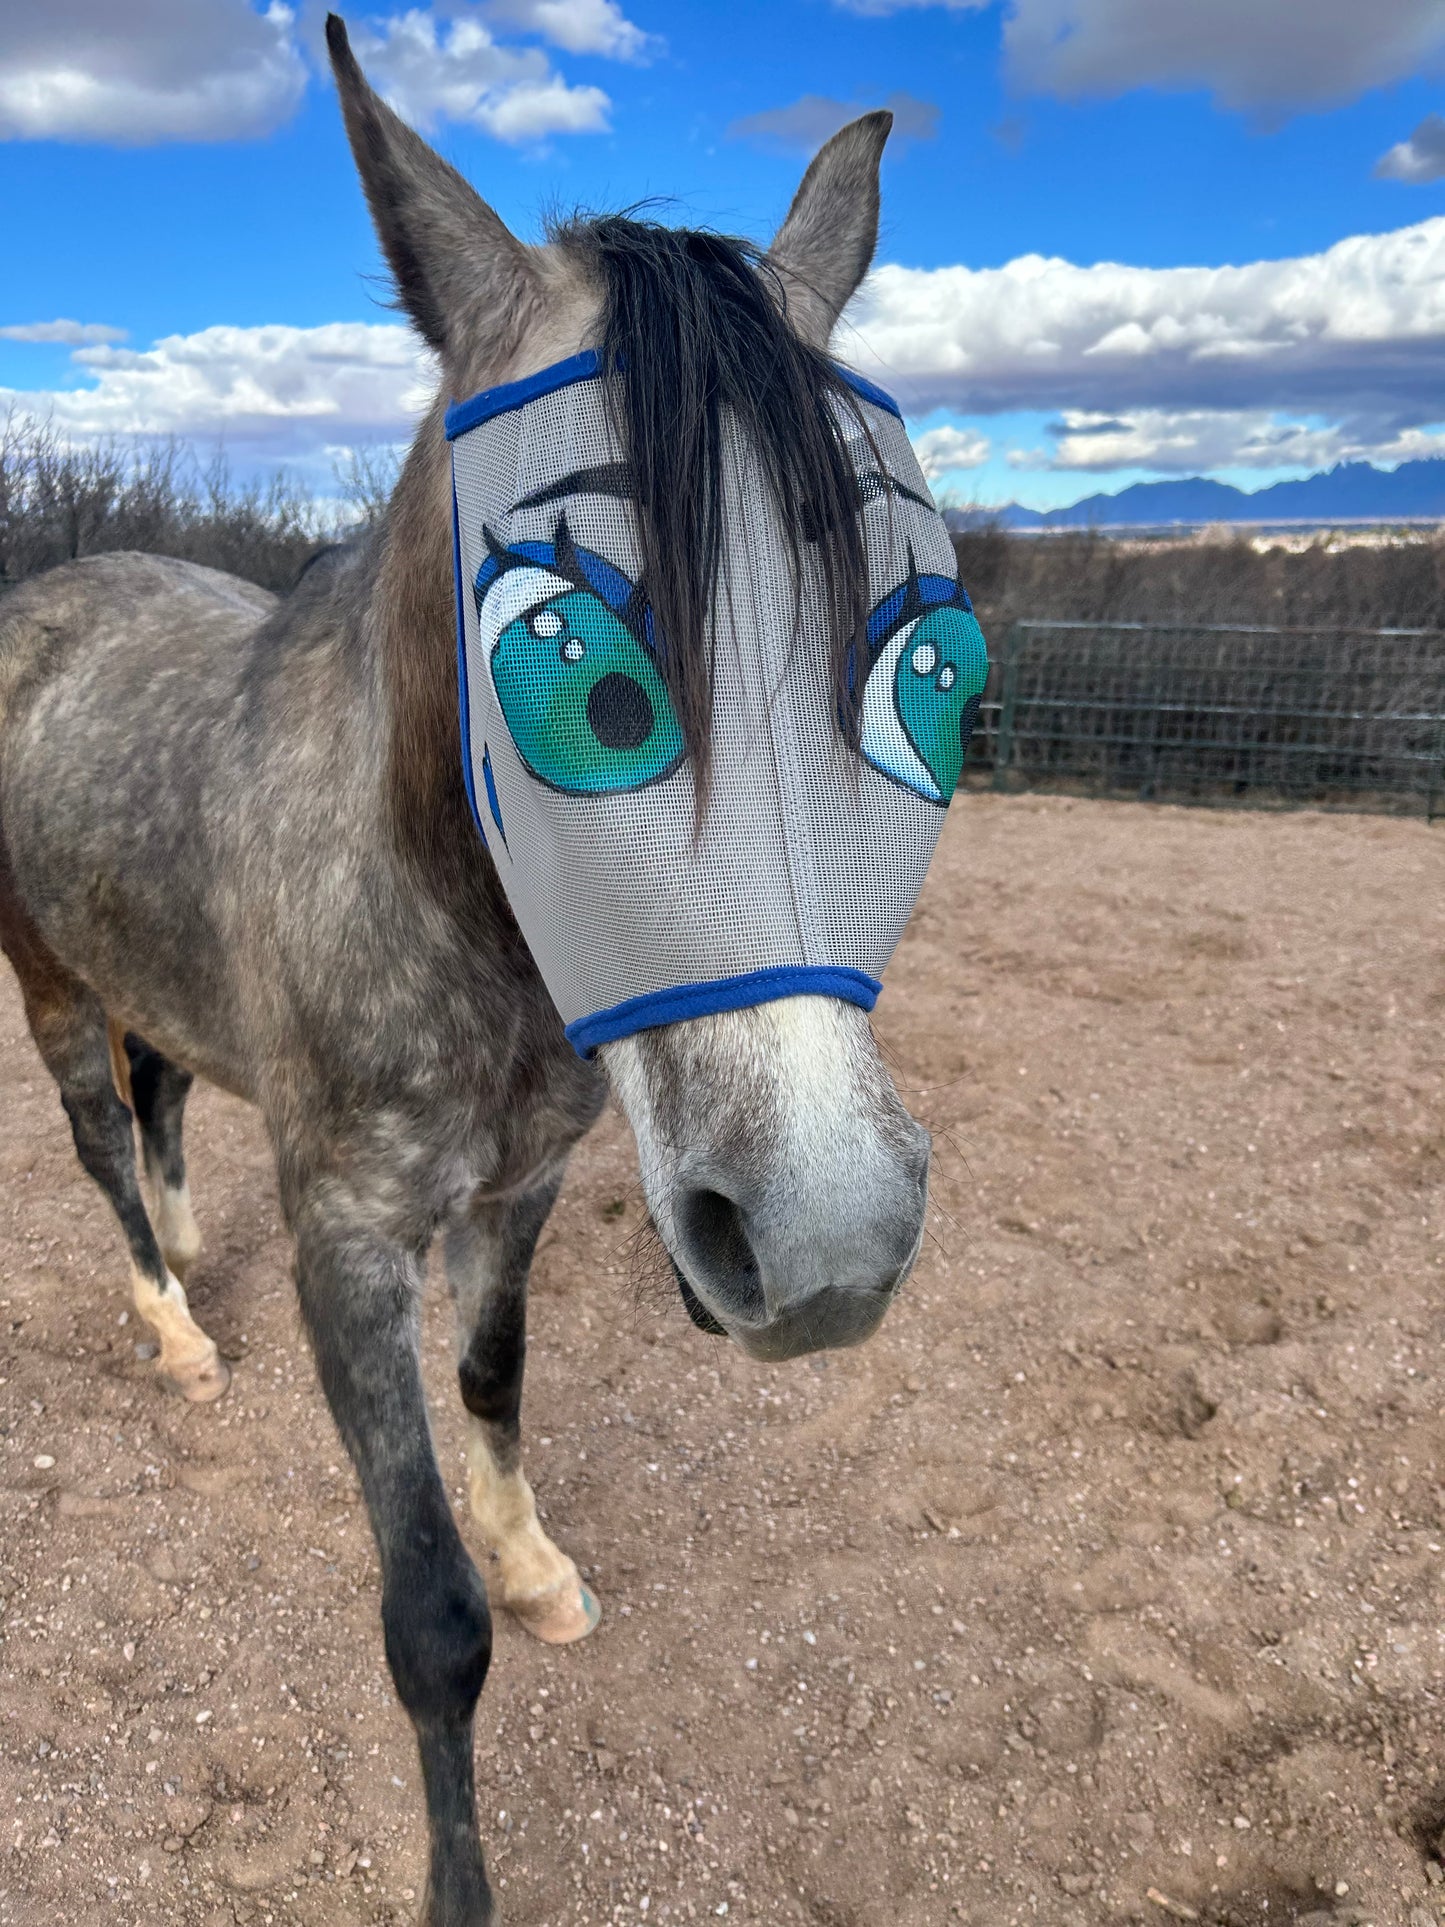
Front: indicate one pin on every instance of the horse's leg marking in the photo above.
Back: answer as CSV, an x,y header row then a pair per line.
x,y
177,1232
489,1253
540,1584
157,1091
99,1079
189,1364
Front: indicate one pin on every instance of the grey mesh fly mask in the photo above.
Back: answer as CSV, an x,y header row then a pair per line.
x,y
811,854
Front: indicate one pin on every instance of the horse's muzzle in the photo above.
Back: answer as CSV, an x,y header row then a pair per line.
x,y
781,1284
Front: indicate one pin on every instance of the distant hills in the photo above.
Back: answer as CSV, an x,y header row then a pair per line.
x,y
1351,492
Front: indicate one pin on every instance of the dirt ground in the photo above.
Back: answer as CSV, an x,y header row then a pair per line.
x,y
1102,1586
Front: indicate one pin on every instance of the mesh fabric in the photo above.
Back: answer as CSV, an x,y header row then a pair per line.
x,y
810,856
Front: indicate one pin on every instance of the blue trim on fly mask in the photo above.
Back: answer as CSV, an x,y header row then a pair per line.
x,y
463,415
465,706
657,1007
491,402
869,390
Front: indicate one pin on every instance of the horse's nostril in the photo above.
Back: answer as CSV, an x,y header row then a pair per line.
x,y
720,1253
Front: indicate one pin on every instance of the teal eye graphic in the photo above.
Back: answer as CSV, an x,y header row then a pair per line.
x,y
583,699
577,684
922,694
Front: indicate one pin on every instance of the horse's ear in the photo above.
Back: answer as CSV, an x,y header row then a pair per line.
x,y
823,249
457,266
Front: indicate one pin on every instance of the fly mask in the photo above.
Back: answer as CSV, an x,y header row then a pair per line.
x,y
807,861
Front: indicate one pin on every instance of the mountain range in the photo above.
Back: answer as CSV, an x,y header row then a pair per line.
x,y
1350,492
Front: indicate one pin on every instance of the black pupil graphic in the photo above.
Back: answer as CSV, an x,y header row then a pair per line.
x,y
620,712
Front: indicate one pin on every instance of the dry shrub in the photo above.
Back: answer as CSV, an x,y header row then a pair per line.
x,y
59,501
1088,577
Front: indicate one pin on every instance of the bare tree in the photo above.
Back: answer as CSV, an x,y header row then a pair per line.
x,y
366,478
60,500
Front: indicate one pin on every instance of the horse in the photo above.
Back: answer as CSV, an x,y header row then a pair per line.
x,y
237,842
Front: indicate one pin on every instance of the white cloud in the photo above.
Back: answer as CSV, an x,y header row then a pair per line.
x,y
432,72
808,122
1198,441
1273,364
273,393
1355,332
152,70
433,68
69,334
206,70
1248,53
941,451
578,26
1420,158
1186,442
1410,445
533,109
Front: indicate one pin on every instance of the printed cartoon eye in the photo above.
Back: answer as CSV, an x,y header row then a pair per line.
x,y
578,686
921,698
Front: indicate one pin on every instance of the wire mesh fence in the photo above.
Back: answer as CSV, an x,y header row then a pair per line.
x,y
1330,717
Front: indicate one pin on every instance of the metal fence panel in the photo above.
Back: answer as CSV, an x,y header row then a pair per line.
x,y
1202,713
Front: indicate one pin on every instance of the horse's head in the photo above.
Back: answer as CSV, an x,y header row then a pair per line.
x,y
717,680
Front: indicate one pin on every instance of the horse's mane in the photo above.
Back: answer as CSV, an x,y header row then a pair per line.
x,y
695,324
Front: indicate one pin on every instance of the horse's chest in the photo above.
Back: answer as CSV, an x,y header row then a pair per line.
x,y
511,1140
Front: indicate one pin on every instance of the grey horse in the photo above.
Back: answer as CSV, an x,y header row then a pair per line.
x,y
235,844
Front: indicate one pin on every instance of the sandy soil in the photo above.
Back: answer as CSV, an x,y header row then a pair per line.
x,y
1102,1586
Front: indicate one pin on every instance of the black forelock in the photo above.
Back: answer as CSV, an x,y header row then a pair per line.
x,y
694,326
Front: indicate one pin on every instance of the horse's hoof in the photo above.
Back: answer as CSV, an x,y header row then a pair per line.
x,y
200,1383
561,1615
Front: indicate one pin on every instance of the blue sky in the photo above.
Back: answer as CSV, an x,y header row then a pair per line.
x,y
1071,183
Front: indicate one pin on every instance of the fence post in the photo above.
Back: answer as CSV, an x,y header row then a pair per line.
x,y
1008,693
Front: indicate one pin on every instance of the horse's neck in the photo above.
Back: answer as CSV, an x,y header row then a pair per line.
x,y
412,617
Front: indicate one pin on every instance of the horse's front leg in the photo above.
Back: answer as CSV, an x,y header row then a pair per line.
x,y
359,1297
489,1253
